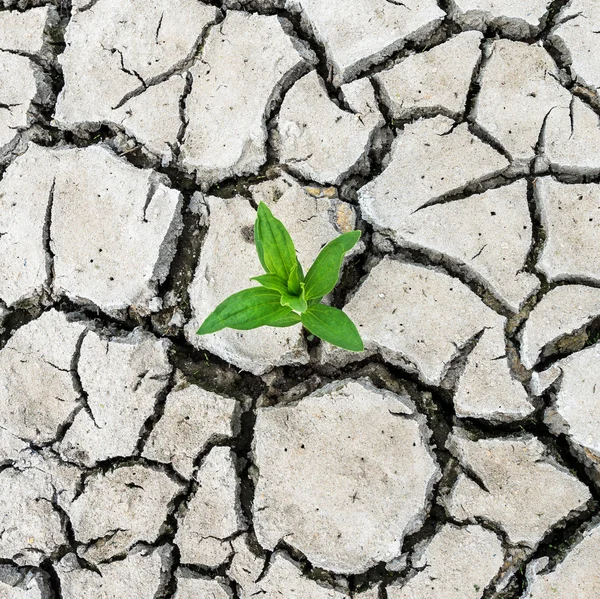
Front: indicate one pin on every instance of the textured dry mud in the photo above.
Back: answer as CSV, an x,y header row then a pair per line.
x,y
458,457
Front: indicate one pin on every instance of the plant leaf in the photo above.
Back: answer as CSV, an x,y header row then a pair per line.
x,y
286,321
247,309
259,246
294,302
275,243
325,271
271,282
300,271
293,283
333,326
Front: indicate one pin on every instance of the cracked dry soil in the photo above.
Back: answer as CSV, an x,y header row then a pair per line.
x,y
457,457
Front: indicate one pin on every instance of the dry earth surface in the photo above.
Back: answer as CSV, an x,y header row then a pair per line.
x,y
457,457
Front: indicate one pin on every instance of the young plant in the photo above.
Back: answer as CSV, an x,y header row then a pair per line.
x,y
285,296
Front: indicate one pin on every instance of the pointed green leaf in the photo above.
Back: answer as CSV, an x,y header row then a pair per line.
x,y
286,321
300,271
293,283
259,246
333,326
271,282
247,309
325,272
294,302
276,245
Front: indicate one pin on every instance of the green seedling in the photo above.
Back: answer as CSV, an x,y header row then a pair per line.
x,y
286,296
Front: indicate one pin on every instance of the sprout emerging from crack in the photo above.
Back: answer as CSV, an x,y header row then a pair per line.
x,y
286,297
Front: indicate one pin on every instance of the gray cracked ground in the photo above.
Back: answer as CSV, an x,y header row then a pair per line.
x,y
457,457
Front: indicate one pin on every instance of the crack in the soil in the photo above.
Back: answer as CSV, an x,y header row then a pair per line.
x,y
87,6
552,18
47,240
189,81
179,68
157,413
